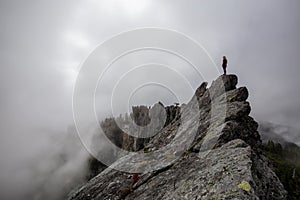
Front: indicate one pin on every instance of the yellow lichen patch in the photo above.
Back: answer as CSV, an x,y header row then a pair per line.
x,y
187,152
147,150
245,186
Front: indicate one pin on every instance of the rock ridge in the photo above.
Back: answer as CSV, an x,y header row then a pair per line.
x,y
223,161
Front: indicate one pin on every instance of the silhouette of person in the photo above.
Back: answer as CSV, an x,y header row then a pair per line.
x,y
224,64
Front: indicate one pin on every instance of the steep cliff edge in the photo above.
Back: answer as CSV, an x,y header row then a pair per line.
x,y
208,148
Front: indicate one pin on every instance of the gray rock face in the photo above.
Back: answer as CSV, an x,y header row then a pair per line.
x,y
209,149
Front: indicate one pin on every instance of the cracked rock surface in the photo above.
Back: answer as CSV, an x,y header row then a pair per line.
x,y
209,149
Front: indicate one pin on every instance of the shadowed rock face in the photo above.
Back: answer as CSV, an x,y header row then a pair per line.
x,y
223,161
140,115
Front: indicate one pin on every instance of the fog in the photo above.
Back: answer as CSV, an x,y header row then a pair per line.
x,y
43,44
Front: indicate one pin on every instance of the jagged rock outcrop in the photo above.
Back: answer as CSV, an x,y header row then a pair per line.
x,y
209,149
116,129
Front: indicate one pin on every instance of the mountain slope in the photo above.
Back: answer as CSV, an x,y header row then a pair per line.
x,y
209,150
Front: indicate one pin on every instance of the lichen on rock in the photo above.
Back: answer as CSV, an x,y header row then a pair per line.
x,y
244,185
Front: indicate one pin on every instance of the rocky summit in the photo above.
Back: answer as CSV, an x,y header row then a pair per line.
x,y
208,148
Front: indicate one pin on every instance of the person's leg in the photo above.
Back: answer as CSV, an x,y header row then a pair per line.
x,y
224,69
131,185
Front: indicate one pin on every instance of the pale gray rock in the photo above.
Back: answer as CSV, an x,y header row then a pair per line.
x,y
209,149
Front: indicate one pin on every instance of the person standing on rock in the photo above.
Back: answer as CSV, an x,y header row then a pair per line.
x,y
123,193
224,64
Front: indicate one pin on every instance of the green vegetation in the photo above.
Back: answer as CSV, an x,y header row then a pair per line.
x,y
286,162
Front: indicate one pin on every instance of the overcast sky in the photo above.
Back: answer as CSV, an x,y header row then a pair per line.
x,y
44,42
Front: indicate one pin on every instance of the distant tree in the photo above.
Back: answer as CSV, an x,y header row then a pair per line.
x,y
286,162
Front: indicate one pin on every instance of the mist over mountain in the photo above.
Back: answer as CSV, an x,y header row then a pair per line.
x,y
279,133
281,146
49,172
66,165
